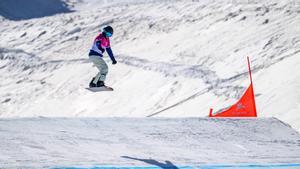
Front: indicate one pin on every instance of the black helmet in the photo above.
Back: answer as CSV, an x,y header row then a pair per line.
x,y
108,30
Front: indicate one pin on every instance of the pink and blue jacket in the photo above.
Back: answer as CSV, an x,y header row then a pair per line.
x,y
100,45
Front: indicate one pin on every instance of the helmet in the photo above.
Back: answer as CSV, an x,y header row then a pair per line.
x,y
108,30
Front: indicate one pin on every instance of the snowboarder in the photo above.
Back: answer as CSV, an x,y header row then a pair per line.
x,y
100,45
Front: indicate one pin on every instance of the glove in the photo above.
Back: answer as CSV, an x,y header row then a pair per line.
x,y
114,62
102,50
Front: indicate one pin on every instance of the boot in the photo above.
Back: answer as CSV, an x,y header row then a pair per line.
x,y
100,84
92,84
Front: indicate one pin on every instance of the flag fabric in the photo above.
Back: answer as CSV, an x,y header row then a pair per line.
x,y
245,107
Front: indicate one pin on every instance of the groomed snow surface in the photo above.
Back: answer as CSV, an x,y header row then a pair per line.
x,y
176,59
146,142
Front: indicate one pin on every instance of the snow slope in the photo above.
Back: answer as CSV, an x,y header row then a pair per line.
x,y
176,58
88,142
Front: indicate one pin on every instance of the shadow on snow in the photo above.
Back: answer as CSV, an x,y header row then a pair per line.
x,y
29,9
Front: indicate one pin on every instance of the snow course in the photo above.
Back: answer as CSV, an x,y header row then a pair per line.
x,y
150,142
176,59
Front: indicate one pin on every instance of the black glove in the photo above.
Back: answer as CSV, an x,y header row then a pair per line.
x,y
102,50
114,62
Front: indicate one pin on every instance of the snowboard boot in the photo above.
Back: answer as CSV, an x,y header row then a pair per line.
x,y
100,84
92,84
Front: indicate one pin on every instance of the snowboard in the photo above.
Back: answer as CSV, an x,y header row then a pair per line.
x,y
99,89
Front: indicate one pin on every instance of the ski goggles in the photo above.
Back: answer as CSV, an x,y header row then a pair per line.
x,y
108,34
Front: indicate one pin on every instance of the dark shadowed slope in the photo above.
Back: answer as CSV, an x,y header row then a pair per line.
x,y
21,9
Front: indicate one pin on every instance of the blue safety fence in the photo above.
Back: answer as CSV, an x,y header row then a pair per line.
x,y
204,166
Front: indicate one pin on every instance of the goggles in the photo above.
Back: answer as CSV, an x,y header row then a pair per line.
x,y
108,34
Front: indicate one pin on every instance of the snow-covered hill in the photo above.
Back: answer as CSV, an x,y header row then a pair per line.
x,y
150,142
186,55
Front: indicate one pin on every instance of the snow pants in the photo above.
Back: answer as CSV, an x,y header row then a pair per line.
x,y
102,67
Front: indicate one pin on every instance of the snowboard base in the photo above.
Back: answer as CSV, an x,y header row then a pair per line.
x,y
99,89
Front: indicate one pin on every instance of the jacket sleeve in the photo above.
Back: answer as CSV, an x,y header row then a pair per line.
x,y
98,44
110,54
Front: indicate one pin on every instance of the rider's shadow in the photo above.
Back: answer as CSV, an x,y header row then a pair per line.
x,y
166,165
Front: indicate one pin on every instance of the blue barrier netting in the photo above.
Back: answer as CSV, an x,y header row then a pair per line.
x,y
204,166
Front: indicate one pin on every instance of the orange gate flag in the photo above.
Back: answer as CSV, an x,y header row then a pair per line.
x,y
245,107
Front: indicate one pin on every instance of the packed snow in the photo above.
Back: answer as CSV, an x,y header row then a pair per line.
x,y
88,142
